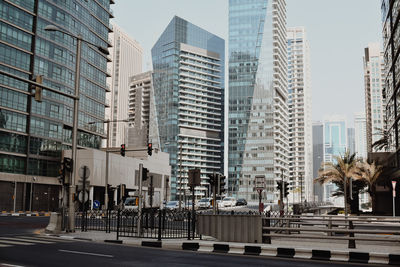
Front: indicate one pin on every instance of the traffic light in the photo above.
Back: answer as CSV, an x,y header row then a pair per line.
x,y
122,150
145,173
221,184
279,186
38,89
149,149
286,190
61,178
211,179
68,164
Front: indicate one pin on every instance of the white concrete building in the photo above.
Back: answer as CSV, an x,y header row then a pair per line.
x,y
126,56
300,121
360,135
374,98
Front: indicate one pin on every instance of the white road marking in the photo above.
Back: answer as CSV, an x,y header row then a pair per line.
x,y
86,253
30,240
4,246
55,239
15,242
10,265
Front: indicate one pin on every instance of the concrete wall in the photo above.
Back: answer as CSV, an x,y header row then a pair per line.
x,y
231,228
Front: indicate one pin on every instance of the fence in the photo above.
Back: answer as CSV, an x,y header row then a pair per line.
x,y
330,227
154,223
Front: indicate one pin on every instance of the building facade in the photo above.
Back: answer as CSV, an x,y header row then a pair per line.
x,y
374,75
126,55
335,144
258,111
391,47
33,134
300,121
351,142
188,80
318,157
360,135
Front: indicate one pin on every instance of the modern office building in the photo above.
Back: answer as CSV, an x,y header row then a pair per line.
x,y
360,135
126,56
258,112
391,47
351,145
318,157
335,144
33,134
374,75
300,121
188,80
143,127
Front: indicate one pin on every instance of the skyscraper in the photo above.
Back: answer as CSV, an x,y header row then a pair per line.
x,y
126,54
188,80
33,134
318,157
351,145
335,144
374,74
300,122
258,111
390,22
360,135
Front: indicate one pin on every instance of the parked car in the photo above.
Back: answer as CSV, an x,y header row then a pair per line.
x,y
241,202
172,205
204,203
228,202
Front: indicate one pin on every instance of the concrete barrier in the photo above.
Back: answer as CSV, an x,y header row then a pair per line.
x,y
54,225
231,228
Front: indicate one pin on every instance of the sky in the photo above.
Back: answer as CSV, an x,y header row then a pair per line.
x,y
338,31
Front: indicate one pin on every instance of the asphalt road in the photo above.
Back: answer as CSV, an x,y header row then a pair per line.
x,y
20,246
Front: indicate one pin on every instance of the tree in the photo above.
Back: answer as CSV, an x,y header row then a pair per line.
x,y
383,142
370,174
339,173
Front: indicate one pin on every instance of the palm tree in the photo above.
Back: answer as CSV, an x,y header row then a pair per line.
x,y
370,174
383,142
339,173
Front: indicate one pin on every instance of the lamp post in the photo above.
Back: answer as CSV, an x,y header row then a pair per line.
x,y
107,158
53,28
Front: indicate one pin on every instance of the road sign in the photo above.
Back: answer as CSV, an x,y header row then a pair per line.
x,y
84,172
394,188
80,196
96,204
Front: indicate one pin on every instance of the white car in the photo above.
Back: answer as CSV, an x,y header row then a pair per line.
x,y
204,203
228,202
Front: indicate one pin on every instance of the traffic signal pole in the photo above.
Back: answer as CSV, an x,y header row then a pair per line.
x,y
214,195
139,220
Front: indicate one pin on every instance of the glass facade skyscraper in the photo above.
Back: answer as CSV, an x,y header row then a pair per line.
x,y
188,80
33,134
258,111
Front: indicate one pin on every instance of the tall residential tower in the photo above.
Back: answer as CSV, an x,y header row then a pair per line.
x,y
258,111
188,80
300,121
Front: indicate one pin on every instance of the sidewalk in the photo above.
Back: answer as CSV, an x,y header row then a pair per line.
x,y
26,213
365,252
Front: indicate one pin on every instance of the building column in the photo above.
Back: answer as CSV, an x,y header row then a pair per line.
x,y
91,194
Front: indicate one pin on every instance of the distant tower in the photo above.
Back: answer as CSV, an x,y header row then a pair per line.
x,y
318,157
374,97
351,146
360,135
300,121
126,55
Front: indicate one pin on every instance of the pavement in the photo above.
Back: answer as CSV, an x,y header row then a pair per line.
x,y
27,213
337,250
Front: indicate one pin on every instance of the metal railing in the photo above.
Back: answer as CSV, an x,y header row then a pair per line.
x,y
329,227
155,223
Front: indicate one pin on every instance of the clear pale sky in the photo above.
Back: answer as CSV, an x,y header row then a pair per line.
x,y
338,32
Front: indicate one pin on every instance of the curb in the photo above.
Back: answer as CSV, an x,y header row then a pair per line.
x,y
31,214
282,252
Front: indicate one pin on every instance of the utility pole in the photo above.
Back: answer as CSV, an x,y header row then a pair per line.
x,y
107,160
301,188
281,206
214,194
180,176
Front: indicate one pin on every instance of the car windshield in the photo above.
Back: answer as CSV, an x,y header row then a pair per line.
x,y
228,199
172,203
130,202
203,200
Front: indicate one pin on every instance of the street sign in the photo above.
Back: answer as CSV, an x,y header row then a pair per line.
x,y
394,188
96,204
84,172
260,183
80,196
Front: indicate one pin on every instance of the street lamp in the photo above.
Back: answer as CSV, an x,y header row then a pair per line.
x,y
53,28
107,147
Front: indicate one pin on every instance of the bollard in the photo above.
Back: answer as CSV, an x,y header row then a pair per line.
x,y
352,242
159,225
